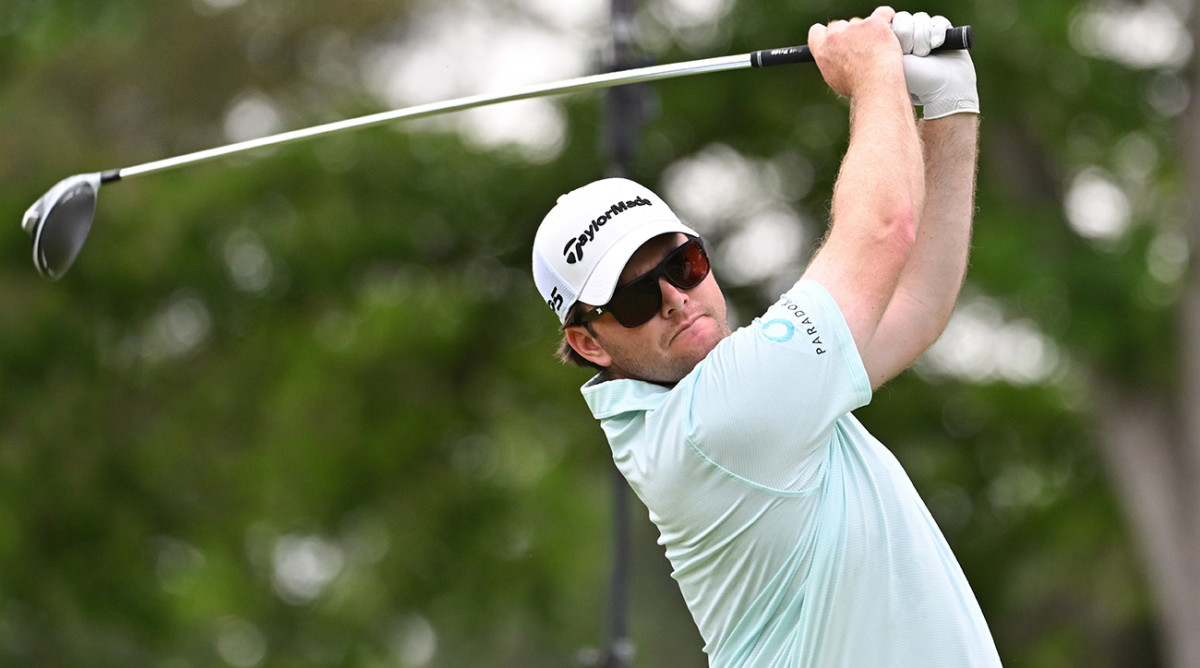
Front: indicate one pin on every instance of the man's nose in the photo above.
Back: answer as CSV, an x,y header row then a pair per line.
x,y
673,299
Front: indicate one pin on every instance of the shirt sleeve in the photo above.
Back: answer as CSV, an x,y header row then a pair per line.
x,y
765,401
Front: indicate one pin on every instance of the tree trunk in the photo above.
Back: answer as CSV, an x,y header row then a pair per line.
x,y
1151,456
1151,444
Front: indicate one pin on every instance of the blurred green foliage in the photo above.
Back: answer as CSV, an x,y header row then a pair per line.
x,y
301,408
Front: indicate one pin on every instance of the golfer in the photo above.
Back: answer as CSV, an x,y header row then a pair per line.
x,y
796,537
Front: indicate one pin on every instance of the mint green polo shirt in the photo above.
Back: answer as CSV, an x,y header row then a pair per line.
x,y
795,536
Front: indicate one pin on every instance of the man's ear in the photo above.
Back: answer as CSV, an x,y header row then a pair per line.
x,y
585,343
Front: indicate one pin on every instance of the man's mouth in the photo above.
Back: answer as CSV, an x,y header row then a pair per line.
x,y
687,324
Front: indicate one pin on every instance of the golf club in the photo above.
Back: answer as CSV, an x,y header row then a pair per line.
x,y
60,220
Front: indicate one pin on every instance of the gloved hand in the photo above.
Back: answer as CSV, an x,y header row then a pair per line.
x,y
943,83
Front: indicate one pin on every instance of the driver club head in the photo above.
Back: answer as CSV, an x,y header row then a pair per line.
x,y
59,223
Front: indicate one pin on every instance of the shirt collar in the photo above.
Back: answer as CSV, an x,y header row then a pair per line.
x,y
623,395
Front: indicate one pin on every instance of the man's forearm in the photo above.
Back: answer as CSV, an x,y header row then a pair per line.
x,y
930,281
938,262
876,204
880,177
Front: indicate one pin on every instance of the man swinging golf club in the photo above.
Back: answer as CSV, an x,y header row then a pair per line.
x,y
796,537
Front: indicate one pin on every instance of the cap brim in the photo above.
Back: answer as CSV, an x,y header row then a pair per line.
x,y
599,286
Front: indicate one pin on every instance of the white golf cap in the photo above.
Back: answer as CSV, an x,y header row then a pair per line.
x,y
583,244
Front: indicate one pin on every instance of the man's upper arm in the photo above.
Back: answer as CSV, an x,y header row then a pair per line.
x,y
765,400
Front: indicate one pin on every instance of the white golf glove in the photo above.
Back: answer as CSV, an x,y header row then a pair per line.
x,y
941,83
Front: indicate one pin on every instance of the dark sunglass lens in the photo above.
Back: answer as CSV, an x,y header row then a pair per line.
x,y
636,302
688,267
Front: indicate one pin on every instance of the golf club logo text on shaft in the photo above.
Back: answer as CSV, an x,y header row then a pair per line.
x,y
573,251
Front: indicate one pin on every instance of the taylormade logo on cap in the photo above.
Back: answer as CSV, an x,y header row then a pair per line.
x,y
573,251
584,242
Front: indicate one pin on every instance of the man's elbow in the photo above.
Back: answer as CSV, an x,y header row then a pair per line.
x,y
898,230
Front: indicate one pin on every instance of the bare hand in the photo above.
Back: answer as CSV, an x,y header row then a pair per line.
x,y
857,54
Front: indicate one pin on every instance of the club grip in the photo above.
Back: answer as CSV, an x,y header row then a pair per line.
x,y
961,37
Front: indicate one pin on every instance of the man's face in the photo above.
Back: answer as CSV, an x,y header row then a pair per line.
x,y
688,325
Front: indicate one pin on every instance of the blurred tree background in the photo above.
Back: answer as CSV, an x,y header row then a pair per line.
x,y
300,408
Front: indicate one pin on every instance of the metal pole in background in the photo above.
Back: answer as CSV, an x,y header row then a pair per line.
x,y
625,112
626,106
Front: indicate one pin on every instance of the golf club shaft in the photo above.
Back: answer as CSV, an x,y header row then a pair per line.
x,y
579,84
956,38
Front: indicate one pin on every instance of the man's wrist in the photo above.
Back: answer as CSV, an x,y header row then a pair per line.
x,y
943,108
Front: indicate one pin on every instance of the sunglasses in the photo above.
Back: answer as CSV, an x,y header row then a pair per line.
x,y
636,302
